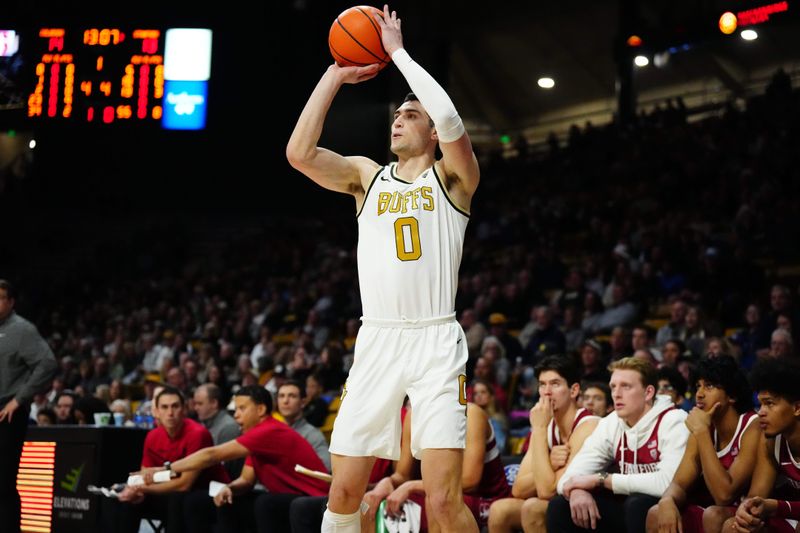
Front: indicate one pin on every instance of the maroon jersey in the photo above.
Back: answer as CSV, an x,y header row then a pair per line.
x,y
728,453
554,436
699,494
644,460
787,485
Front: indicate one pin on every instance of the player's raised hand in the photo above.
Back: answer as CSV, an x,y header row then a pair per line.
x,y
391,36
542,413
354,75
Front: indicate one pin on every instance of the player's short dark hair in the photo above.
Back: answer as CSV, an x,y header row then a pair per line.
x,y
603,387
560,364
777,375
411,97
674,378
294,383
258,394
724,372
172,391
7,286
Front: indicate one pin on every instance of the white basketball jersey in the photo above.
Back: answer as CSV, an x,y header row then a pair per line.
x,y
410,239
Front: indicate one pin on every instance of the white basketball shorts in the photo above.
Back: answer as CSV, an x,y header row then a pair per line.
x,y
425,359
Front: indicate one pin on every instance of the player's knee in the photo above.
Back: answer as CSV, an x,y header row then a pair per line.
x,y
714,517
344,498
500,513
534,512
443,502
652,519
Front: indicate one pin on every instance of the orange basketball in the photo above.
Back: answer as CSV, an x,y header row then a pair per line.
x,y
355,38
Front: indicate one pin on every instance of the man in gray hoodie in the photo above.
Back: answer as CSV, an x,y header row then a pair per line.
x,y
26,367
629,460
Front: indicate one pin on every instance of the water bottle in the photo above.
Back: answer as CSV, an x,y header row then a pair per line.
x,y
380,525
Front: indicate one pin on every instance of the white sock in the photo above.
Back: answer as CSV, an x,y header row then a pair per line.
x,y
341,523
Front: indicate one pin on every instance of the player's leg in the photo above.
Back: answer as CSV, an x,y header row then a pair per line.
x,y
505,515
439,422
444,500
534,515
714,517
367,425
635,508
350,478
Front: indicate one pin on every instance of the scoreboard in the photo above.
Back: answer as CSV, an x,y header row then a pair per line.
x,y
116,74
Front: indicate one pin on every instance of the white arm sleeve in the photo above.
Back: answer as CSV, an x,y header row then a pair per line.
x,y
432,96
595,454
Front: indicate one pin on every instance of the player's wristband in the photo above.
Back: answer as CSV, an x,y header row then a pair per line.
x,y
786,509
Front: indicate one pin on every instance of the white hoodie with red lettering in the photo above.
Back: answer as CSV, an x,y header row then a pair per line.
x,y
641,459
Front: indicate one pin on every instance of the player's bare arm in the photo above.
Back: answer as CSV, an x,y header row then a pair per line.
x,y
333,171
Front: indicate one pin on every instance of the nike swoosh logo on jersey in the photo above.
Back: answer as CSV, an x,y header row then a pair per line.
x,y
384,178
459,340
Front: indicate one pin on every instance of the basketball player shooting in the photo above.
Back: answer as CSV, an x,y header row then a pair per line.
x,y
412,215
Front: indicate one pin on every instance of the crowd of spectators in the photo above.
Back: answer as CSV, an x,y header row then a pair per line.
x,y
661,239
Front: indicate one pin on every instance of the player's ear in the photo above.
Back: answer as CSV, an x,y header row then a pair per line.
x,y
649,393
575,391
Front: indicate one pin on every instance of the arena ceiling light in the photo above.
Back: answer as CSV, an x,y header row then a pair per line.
x,y
546,83
641,61
749,35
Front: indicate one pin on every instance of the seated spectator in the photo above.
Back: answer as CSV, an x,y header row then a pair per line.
x,y
65,408
753,338
290,406
87,407
483,397
331,368
671,383
493,351
315,408
671,350
716,346
272,449
695,331
208,405
781,344
123,407
547,339
621,312
571,327
620,343
485,371
176,437
592,363
597,398
498,328
45,417
474,331
676,327
642,339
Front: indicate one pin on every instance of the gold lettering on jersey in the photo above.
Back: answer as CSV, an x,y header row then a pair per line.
x,y
399,202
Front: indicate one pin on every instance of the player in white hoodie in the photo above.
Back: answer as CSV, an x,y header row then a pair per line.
x,y
628,461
